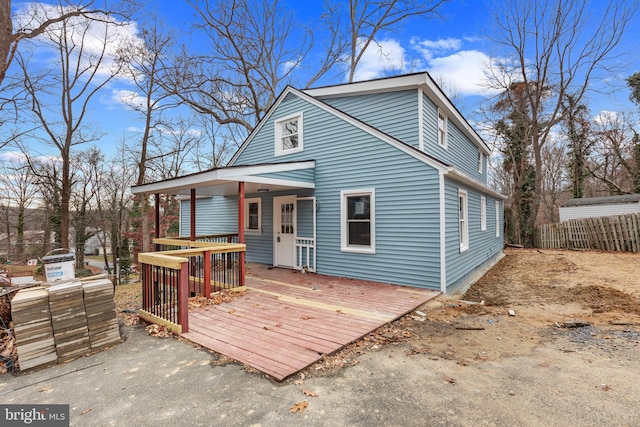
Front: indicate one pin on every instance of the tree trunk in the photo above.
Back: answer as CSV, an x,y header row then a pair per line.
x,y
6,31
20,233
537,191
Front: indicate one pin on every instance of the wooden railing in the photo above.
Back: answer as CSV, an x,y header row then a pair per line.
x,y
173,243
170,277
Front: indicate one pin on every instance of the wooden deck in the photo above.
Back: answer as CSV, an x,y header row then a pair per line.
x,y
288,320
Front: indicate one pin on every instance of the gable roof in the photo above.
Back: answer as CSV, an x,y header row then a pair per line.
x,y
439,165
420,80
432,161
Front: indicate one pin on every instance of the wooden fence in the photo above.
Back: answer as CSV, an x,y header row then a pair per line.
x,y
611,233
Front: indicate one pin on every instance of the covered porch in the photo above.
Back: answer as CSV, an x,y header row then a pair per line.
x,y
286,320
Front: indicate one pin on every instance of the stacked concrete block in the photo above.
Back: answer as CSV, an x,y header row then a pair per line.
x,y
69,320
101,314
33,328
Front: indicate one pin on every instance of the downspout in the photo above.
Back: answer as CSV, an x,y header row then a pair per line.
x,y
192,216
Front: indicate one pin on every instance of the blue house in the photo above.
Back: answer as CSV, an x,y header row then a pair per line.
x,y
382,180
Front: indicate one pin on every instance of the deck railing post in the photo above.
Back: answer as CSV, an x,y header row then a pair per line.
x,y
207,273
183,297
241,214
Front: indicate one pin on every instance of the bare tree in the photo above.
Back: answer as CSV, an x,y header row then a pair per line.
x,y
366,20
35,22
113,201
17,195
613,161
174,146
144,62
554,181
254,48
214,147
60,101
555,48
85,165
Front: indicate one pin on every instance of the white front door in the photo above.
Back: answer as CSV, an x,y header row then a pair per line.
x,y
284,225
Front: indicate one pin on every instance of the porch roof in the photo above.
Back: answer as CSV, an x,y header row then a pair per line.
x,y
224,181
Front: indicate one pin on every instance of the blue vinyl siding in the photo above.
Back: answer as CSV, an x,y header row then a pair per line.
x,y
303,175
215,215
394,113
407,210
260,244
304,218
482,244
348,158
460,151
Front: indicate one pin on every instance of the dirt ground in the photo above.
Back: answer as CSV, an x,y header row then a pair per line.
x,y
546,291
453,361
543,289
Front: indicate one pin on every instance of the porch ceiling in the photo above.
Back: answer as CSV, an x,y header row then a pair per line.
x,y
224,181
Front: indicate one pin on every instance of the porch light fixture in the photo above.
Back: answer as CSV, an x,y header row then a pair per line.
x,y
263,190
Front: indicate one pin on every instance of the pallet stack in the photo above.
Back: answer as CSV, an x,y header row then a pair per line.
x,y
33,328
101,314
69,320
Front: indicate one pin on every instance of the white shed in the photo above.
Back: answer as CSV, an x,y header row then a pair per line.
x,y
593,207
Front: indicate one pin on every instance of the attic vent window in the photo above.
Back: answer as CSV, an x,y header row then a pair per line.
x,y
289,135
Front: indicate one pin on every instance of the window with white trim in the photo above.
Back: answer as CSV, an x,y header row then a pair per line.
x,y
463,215
497,218
480,160
442,130
289,133
253,215
358,221
483,213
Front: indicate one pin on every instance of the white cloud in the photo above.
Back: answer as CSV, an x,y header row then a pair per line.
x,y
12,157
129,98
380,57
92,35
463,70
606,117
289,65
431,48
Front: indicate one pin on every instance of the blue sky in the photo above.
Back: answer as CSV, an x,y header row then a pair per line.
x,y
454,50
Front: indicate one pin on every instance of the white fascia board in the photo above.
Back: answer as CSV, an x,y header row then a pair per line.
x,y
274,181
218,176
234,171
183,197
372,86
463,178
423,81
373,131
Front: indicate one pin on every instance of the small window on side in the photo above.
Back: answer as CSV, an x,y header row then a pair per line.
x,y
253,215
442,130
